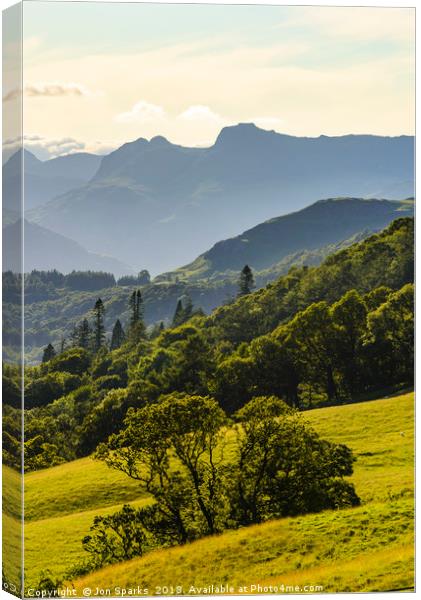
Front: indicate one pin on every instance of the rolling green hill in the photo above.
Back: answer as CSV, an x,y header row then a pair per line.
x,y
363,549
369,548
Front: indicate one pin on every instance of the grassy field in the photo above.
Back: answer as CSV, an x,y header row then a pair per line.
x,y
363,549
336,549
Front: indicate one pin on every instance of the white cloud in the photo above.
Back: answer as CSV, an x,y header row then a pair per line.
x,y
199,112
49,89
142,112
45,148
202,113
370,92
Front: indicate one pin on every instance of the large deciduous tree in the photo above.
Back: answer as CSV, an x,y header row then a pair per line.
x,y
283,467
171,448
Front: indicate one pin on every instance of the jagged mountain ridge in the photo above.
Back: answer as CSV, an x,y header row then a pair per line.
x,y
156,204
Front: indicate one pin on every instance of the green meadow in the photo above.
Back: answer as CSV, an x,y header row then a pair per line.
x,y
362,549
369,548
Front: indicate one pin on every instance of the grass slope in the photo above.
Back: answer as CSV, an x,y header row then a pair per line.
x,y
367,548
81,485
311,550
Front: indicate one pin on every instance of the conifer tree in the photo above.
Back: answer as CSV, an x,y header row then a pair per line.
x,y
85,334
118,335
246,281
188,309
48,354
99,329
133,309
139,301
137,326
178,317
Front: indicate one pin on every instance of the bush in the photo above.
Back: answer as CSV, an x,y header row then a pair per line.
x,y
73,360
118,537
40,454
108,382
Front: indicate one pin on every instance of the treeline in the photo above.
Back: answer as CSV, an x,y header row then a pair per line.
x,y
43,285
318,335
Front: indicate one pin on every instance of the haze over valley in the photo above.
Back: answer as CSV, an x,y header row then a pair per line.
x,y
156,205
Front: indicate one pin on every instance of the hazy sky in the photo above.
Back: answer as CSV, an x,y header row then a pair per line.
x,y
97,75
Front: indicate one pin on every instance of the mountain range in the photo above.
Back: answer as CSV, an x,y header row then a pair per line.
x,y
157,205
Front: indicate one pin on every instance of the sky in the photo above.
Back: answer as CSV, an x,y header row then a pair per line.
x,y
98,75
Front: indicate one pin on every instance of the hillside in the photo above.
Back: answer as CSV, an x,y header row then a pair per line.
x,y
44,180
46,250
383,259
321,224
363,549
151,196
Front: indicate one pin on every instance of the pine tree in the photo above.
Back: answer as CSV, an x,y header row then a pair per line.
x,y
137,325
136,306
85,334
188,309
99,329
118,335
49,353
133,309
139,301
246,281
178,317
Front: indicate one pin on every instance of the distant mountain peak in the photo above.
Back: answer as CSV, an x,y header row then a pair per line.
x,y
242,133
27,156
160,140
138,142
